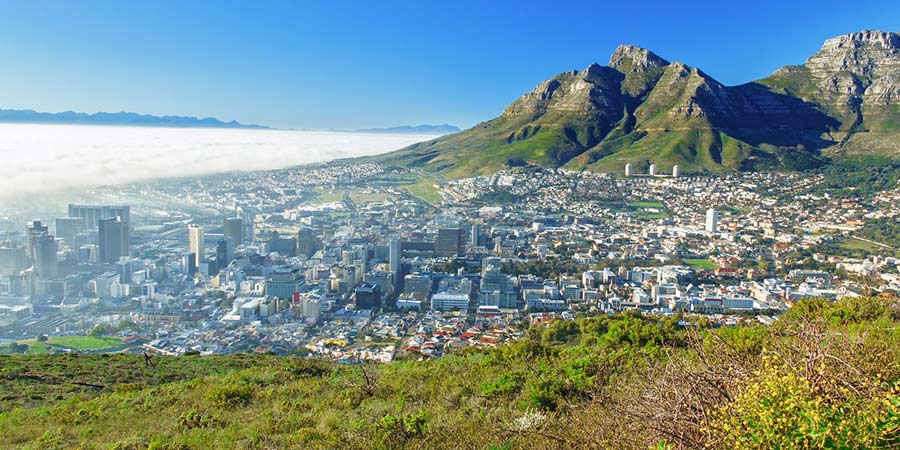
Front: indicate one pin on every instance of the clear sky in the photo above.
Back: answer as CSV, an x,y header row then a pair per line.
x,y
334,64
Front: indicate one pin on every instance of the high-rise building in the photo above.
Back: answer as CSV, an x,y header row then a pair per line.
x,y
449,242
394,258
675,171
652,170
12,258
44,248
283,282
475,238
712,220
93,214
307,242
125,270
33,231
234,228
69,227
196,244
367,296
112,239
628,169
222,252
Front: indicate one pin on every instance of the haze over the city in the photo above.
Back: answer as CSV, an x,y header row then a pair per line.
x,y
49,158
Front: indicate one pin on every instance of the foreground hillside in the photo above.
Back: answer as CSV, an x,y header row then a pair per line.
x,y
642,109
824,376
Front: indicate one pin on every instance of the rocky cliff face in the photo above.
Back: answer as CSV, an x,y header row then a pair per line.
x,y
640,108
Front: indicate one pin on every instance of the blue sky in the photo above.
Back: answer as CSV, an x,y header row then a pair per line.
x,y
334,64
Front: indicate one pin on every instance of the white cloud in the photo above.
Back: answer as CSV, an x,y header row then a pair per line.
x,y
47,158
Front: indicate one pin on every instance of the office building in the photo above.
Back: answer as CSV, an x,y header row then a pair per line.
x,y
67,228
12,258
367,296
113,240
196,244
308,243
475,238
234,228
44,261
394,258
33,231
92,215
284,282
125,270
449,242
384,280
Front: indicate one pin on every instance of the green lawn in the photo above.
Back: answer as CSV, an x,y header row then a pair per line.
x,y
78,343
651,215
700,264
424,189
648,204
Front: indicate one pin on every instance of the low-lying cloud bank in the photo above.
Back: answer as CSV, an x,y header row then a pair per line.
x,y
48,158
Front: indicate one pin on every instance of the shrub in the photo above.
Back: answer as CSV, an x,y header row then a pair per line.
x,y
230,395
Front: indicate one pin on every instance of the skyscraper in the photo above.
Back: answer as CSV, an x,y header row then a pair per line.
x,y
113,240
44,256
448,242
196,244
307,242
69,227
234,228
394,258
712,220
93,214
33,231
475,238
125,270
222,252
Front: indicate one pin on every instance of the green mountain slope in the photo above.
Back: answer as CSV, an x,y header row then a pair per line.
x,y
642,109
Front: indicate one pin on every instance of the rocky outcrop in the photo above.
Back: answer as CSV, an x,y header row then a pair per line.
x,y
641,108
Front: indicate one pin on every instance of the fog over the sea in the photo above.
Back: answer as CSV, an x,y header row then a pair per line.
x,y
47,158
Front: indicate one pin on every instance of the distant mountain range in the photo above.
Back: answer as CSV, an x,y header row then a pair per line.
x,y
642,109
120,118
418,129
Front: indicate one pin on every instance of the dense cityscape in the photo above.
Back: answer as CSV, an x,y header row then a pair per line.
x,y
359,261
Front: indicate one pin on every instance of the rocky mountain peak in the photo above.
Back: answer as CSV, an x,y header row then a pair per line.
x,y
630,58
867,38
848,63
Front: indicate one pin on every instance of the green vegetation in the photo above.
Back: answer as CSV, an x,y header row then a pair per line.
x,y
824,376
424,188
704,264
39,380
648,204
76,343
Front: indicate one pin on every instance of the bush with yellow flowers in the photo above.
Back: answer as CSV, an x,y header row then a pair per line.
x,y
778,408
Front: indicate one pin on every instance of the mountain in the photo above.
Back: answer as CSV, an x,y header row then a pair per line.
x,y
418,129
642,109
120,118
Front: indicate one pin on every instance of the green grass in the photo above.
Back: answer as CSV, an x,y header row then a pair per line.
x,y
76,343
86,343
324,196
648,204
424,189
704,264
565,386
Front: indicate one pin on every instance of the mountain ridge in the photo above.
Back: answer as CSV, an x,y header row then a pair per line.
x,y
642,109
117,119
